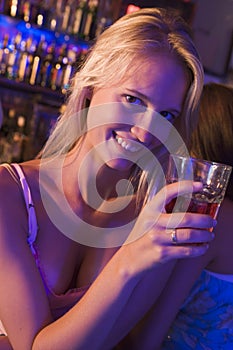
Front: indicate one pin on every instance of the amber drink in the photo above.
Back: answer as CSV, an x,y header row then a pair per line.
x,y
214,177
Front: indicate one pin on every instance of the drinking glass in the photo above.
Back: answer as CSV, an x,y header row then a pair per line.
x,y
214,177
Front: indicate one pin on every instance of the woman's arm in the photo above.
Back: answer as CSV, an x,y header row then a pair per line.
x,y
100,317
218,258
153,328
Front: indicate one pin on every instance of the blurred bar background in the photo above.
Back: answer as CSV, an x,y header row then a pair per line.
x,y
42,44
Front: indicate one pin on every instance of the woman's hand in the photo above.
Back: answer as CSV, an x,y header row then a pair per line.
x,y
158,237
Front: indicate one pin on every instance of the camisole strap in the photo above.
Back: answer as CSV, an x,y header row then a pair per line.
x,y
32,221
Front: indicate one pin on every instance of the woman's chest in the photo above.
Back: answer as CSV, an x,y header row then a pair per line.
x,y
73,251
66,264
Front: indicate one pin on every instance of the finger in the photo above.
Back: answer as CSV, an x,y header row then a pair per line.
x,y
182,187
186,219
189,251
186,251
168,192
188,236
164,252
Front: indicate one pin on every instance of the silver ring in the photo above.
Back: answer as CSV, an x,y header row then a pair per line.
x,y
173,236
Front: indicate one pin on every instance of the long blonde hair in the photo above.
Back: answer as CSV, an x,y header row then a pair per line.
x,y
139,34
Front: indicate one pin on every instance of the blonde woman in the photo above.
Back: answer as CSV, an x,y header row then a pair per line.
x,y
88,255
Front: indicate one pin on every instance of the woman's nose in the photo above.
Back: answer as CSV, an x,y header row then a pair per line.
x,y
142,135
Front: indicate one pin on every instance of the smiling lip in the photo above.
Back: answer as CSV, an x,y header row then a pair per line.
x,y
128,145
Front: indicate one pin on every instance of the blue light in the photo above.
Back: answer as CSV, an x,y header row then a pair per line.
x,y
13,26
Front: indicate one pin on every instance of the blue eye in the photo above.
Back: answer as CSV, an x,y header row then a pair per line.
x,y
167,115
134,100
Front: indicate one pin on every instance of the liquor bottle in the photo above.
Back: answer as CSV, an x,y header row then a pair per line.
x,y
80,58
46,67
66,16
34,8
58,69
69,70
25,10
80,16
43,13
4,54
60,5
26,59
90,23
13,59
55,17
39,54
13,9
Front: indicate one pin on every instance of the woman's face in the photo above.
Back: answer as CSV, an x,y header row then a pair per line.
x,y
124,118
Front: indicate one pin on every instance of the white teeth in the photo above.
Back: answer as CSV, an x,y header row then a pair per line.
x,y
127,144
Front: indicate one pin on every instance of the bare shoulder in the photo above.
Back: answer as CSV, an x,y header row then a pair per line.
x,y
23,287
13,213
